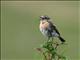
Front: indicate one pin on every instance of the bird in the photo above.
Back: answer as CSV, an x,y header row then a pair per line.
x,y
48,28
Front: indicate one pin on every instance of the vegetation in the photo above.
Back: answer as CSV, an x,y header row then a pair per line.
x,y
49,51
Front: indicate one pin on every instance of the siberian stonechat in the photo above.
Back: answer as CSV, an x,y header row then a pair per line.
x,y
48,29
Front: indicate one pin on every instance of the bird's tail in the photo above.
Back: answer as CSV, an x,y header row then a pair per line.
x,y
62,40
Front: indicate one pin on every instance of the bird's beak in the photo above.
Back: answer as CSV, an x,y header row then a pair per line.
x,y
40,18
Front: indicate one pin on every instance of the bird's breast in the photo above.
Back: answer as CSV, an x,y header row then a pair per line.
x,y
44,25
43,28
44,32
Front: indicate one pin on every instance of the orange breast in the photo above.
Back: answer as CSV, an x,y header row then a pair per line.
x,y
44,25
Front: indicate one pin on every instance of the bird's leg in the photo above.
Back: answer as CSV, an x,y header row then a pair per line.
x,y
52,38
48,39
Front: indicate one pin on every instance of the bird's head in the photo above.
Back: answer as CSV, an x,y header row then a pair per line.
x,y
44,17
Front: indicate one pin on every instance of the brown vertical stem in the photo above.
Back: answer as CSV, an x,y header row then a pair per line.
x,y
49,56
40,50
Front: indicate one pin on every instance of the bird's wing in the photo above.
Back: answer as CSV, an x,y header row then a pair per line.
x,y
53,27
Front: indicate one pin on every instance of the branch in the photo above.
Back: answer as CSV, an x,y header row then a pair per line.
x,y
50,51
41,51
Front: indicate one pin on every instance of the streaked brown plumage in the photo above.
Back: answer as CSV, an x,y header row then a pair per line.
x,y
48,28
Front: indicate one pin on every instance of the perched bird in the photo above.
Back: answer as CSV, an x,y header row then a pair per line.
x,y
48,29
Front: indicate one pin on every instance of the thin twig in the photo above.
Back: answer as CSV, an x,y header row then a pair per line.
x,y
40,50
50,55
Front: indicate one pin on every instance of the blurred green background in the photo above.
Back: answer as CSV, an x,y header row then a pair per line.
x,y
20,35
